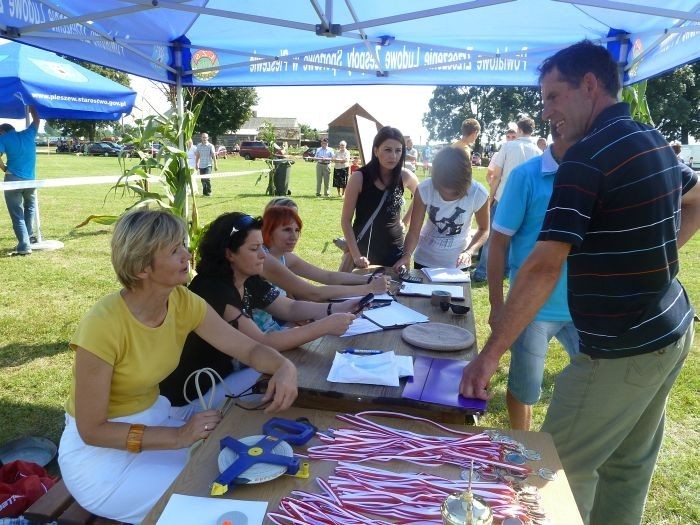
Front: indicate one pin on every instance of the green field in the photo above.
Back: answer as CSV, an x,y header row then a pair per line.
x,y
43,297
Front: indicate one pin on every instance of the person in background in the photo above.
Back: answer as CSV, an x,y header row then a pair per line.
x,y
341,167
512,154
542,143
355,165
191,151
634,319
450,198
281,230
517,224
411,159
228,278
20,151
205,158
470,132
122,446
324,156
374,197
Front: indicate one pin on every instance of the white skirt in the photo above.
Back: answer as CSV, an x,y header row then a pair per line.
x,y
115,483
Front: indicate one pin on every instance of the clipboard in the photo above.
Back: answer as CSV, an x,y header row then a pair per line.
x,y
436,380
393,316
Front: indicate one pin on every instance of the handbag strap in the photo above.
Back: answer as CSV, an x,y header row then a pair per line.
x,y
372,217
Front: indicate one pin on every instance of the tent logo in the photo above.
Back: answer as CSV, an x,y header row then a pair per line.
x,y
205,59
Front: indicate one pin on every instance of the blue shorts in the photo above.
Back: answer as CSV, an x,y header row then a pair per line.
x,y
528,353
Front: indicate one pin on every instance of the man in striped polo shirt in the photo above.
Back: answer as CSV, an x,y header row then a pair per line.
x,y
621,208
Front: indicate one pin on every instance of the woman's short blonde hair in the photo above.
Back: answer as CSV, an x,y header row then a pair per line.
x,y
137,236
452,169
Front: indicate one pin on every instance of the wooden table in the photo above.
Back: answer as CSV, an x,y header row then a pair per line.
x,y
314,360
201,470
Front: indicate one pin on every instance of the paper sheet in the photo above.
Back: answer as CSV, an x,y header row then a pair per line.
x,y
361,326
426,290
192,509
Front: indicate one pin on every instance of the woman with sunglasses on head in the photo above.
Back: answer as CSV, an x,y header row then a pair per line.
x,y
289,272
228,277
123,445
374,196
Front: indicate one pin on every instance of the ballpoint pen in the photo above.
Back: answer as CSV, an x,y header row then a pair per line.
x,y
359,351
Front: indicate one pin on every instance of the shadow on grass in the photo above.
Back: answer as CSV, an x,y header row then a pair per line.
x,y
13,355
80,233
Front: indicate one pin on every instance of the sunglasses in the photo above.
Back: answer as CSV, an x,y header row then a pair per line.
x,y
457,309
243,223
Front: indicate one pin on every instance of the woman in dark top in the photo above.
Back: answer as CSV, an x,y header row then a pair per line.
x,y
228,278
383,241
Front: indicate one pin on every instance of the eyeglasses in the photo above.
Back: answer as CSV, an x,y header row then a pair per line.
x,y
259,387
457,309
243,223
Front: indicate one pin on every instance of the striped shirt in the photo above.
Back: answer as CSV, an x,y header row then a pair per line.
x,y
617,200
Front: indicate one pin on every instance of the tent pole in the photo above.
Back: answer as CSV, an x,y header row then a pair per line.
x,y
180,108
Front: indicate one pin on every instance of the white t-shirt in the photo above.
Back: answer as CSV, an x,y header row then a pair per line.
x,y
513,154
190,156
447,228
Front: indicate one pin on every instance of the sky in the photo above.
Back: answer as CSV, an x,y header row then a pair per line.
x,y
400,106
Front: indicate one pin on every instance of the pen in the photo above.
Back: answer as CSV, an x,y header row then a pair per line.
x,y
359,351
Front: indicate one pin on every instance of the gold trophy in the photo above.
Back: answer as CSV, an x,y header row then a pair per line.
x,y
465,508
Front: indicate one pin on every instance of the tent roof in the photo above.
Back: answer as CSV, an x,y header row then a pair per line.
x,y
420,42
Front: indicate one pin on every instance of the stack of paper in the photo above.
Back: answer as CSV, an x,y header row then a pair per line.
x,y
446,275
192,509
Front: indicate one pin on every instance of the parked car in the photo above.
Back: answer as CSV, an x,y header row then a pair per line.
x,y
221,152
103,149
476,159
254,149
309,154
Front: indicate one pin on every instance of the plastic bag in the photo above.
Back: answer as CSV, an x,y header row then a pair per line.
x,y
21,484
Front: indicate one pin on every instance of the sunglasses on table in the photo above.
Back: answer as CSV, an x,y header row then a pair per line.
x,y
457,309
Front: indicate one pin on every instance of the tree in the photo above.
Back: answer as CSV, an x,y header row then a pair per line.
x,y
224,109
89,128
674,99
308,133
450,105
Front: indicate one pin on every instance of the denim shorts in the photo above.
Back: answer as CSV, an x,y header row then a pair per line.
x,y
528,354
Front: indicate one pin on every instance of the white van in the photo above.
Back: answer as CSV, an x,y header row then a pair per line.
x,y
691,151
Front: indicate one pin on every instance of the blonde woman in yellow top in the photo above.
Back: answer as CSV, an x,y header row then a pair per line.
x,y
122,446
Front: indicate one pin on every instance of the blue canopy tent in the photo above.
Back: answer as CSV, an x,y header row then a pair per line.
x,y
57,87
316,42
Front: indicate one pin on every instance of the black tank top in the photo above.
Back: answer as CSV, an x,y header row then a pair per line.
x,y
385,236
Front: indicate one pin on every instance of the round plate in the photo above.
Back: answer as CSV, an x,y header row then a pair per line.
x,y
260,472
34,449
439,337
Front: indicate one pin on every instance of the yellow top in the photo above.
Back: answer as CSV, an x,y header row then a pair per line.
x,y
141,356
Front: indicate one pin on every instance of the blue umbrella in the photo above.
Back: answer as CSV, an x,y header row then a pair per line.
x,y
58,88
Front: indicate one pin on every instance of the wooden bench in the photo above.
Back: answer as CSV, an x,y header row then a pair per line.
x,y
58,505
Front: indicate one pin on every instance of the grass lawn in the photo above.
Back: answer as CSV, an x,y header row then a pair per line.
x,y
43,297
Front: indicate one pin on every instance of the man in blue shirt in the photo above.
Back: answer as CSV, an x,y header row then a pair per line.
x,y
20,151
621,208
516,225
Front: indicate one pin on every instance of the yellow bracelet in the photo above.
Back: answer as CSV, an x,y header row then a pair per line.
x,y
134,438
